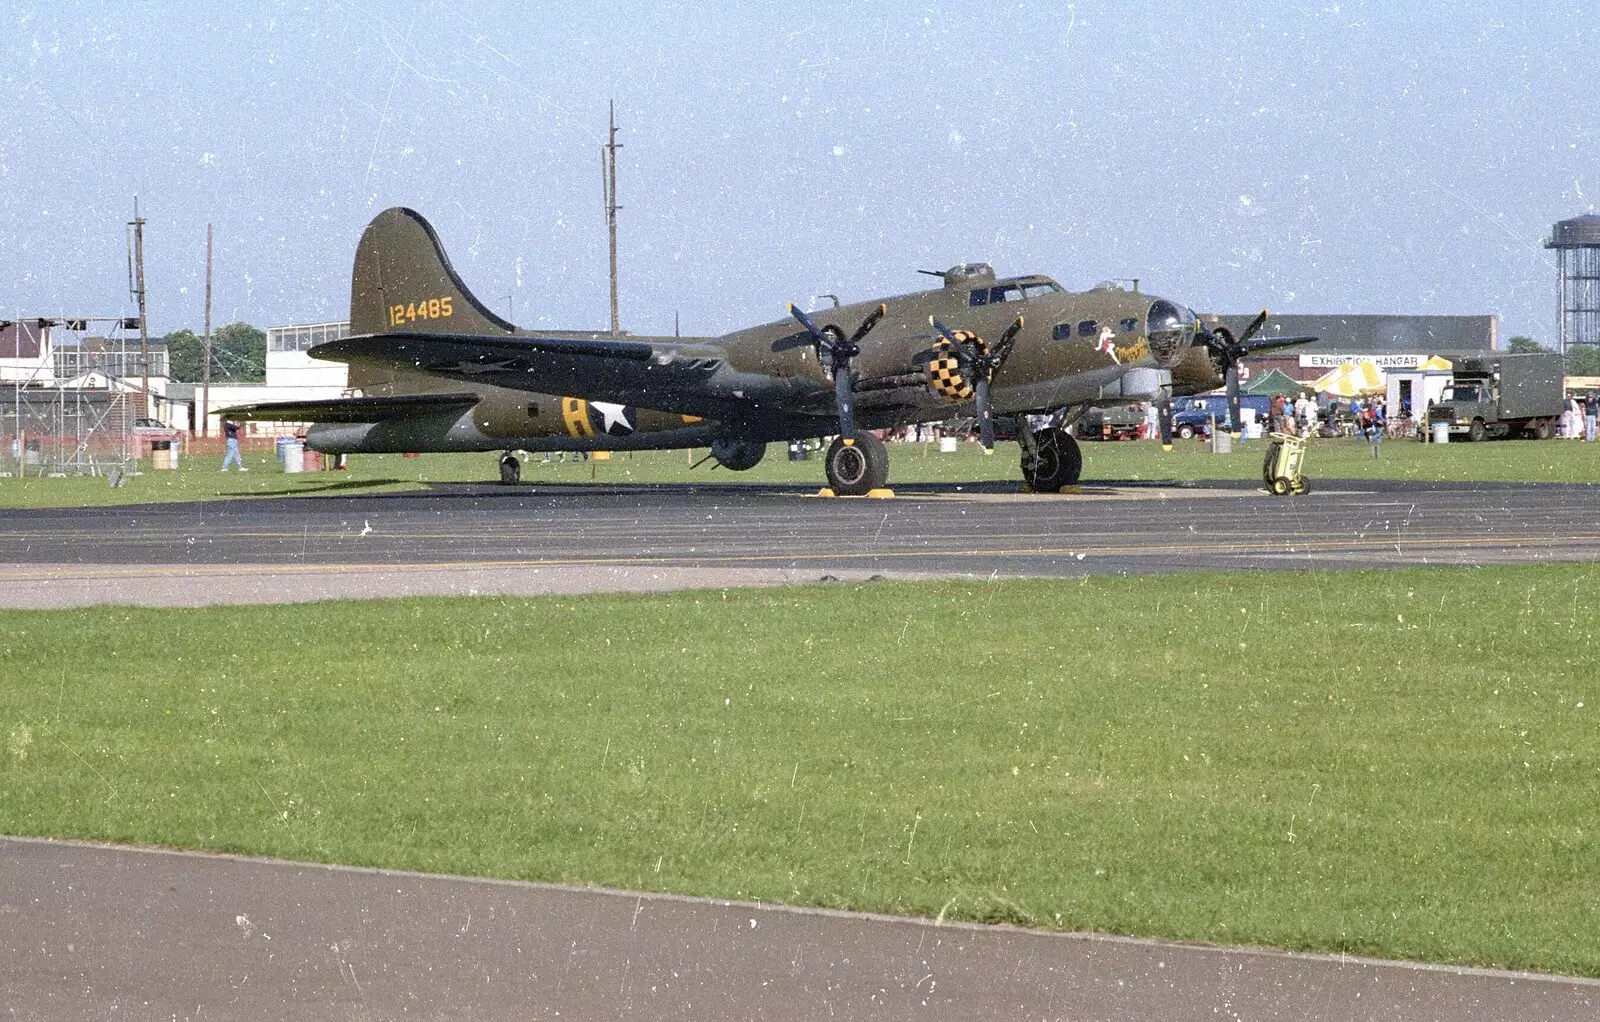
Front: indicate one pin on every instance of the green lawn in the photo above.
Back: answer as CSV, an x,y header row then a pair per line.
x,y
1399,764
1533,461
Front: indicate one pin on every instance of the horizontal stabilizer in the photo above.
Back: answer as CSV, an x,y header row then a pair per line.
x,y
354,409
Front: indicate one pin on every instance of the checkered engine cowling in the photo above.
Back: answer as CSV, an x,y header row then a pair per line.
x,y
945,373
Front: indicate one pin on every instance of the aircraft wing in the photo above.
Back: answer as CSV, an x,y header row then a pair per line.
x,y
353,409
687,378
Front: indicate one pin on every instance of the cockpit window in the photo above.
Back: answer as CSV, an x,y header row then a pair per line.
x,y
1010,293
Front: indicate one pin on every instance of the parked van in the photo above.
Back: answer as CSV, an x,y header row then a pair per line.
x,y
1192,416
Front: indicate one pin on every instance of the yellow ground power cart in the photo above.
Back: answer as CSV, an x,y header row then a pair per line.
x,y
1281,467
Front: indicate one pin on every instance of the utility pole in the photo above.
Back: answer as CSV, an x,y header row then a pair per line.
x,y
144,326
608,180
205,372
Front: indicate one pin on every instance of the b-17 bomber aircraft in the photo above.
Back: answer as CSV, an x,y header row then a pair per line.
x,y
438,371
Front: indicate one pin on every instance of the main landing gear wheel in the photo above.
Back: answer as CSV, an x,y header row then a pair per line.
x,y
856,468
510,470
1056,461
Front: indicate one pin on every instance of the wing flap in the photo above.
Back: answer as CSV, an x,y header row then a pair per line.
x,y
354,409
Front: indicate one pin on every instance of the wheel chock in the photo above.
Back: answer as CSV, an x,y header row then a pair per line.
x,y
879,493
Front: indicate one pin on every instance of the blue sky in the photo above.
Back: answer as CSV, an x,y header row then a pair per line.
x,y
1311,158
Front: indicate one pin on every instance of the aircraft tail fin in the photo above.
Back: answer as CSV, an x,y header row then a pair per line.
x,y
403,282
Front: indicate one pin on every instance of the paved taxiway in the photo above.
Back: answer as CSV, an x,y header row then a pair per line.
x,y
544,538
89,932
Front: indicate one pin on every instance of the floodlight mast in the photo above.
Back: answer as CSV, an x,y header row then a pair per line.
x,y
205,372
144,327
608,181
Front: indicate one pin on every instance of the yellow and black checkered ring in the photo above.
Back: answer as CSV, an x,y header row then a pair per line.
x,y
945,375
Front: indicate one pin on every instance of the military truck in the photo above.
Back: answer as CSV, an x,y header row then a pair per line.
x,y
1502,396
1118,422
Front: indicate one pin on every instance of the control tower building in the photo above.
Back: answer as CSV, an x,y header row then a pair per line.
x,y
1577,244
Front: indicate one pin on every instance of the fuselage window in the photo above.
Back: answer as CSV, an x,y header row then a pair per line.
x,y
533,409
1086,328
979,297
1062,332
1128,325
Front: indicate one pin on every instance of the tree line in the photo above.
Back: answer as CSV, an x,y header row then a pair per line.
x,y
1582,360
238,355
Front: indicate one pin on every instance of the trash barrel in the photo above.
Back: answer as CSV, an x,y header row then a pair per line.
x,y
1441,432
294,456
283,444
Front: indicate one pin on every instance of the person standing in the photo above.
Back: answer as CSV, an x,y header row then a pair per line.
x,y
1591,411
230,429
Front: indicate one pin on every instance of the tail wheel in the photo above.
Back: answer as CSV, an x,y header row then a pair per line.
x,y
510,470
1280,485
1055,462
857,467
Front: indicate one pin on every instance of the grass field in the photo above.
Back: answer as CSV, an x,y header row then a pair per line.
x,y
1533,461
1400,764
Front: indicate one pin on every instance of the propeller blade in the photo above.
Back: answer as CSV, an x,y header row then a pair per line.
x,y
868,323
1233,396
943,330
985,417
1269,343
822,340
1254,328
845,398
1002,347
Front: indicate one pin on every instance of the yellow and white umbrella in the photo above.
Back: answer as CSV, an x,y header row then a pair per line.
x,y
1435,364
1353,379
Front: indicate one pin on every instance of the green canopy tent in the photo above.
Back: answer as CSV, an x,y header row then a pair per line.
x,y
1275,382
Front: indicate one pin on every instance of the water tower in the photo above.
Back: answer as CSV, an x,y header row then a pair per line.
x,y
1577,244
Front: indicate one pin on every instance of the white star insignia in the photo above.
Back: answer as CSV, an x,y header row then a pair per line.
x,y
612,415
